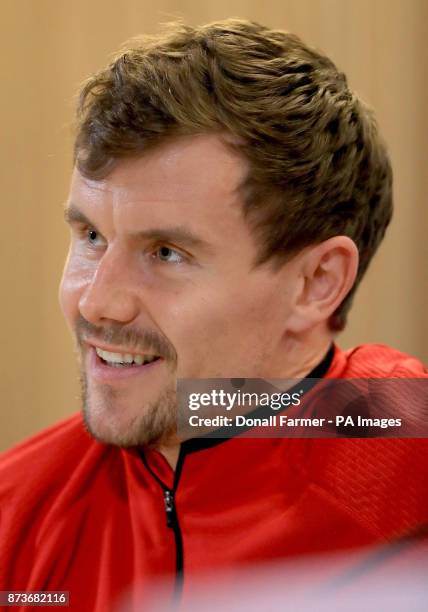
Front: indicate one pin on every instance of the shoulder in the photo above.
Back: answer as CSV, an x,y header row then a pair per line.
x,y
50,447
41,465
381,361
49,485
381,481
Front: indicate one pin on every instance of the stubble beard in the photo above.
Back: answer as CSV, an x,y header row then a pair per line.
x,y
152,423
149,423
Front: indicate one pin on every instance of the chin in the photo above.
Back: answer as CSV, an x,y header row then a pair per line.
x,y
129,426
110,430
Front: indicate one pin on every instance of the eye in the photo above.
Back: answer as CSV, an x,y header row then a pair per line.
x,y
93,237
168,255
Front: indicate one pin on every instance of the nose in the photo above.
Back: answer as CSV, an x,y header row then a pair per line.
x,y
111,293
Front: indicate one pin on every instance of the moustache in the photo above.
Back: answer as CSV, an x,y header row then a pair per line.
x,y
140,341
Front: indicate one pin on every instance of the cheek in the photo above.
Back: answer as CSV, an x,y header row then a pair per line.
x,y
220,329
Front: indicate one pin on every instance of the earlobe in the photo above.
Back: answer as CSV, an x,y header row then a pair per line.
x,y
328,271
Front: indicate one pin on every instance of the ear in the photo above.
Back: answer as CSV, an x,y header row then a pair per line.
x,y
327,272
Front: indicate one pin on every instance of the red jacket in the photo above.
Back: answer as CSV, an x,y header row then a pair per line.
x,y
91,519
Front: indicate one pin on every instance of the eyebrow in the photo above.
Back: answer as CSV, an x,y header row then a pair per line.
x,y
73,215
177,234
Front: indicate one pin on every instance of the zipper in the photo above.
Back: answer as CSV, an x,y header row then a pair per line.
x,y
168,498
172,521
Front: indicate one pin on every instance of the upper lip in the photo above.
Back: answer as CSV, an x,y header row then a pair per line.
x,y
118,349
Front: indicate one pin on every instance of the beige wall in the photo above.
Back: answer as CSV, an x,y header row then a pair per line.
x,y
49,46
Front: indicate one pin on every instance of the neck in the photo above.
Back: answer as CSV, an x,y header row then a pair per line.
x,y
300,355
170,450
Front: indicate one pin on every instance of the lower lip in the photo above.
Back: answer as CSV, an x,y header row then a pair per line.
x,y
99,370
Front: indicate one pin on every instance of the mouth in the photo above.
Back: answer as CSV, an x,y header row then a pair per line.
x,y
124,360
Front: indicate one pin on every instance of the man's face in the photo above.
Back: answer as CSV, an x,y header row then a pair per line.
x,y
160,267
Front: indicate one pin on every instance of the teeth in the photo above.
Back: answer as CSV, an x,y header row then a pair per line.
x,y
121,358
111,357
139,359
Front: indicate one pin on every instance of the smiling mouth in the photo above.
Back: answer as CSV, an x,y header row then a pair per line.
x,y
124,360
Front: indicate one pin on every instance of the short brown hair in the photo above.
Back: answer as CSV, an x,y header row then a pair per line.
x,y
317,165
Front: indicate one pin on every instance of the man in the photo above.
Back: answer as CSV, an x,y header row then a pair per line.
x,y
228,194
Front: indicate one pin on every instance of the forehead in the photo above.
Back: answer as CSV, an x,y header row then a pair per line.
x,y
192,176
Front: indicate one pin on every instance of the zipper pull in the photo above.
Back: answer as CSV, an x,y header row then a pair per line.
x,y
168,498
